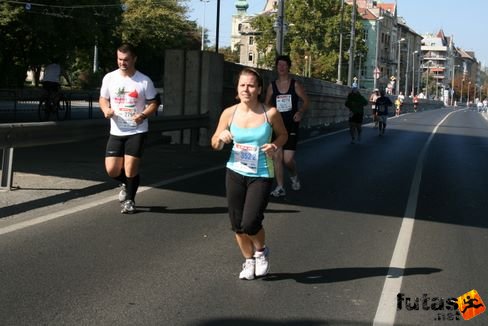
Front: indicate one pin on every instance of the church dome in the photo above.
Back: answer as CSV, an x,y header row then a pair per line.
x,y
241,5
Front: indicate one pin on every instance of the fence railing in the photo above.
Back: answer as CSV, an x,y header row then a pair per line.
x,y
30,134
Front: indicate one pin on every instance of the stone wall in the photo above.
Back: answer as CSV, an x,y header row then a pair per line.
x,y
198,82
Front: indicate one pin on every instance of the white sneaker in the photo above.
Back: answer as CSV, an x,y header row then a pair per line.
x,y
278,192
295,183
127,207
122,193
248,268
262,263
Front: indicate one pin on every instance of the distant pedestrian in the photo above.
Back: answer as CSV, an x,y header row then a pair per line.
x,y
382,105
289,97
127,98
398,105
355,102
250,126
415,103
372,99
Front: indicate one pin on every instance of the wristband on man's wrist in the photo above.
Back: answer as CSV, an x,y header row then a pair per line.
x,y
143,115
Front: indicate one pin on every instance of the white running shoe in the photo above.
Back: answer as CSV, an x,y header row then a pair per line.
x,y
248,268
127,207
122,193
262,263
278,192
295,183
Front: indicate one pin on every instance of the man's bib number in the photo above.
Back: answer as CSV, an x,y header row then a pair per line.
x,y
125,118
283,103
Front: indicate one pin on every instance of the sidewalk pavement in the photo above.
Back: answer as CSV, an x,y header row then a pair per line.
x,y
50,178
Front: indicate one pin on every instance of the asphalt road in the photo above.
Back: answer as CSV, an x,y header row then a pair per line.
x,y
399,216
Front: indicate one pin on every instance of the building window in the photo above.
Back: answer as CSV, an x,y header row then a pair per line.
x,y
251,40
239,28
250,57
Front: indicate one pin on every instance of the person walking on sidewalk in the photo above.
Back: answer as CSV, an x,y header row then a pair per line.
x,y
355,102
127,98
250,125
382,105
285,94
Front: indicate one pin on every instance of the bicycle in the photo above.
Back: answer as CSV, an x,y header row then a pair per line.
x,y
52,105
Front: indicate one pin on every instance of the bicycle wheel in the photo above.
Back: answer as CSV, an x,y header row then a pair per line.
x,y
61,110
44,111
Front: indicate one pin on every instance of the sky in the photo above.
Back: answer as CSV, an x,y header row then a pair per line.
x,y
465,21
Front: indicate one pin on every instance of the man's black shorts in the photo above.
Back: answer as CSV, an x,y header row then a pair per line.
x,y
132,145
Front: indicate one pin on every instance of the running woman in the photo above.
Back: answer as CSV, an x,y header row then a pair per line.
x,y
250,126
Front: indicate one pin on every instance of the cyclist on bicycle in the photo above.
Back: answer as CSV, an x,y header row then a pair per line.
x,y
51,82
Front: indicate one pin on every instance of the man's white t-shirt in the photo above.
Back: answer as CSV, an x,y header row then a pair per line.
x,y
128,97
52,73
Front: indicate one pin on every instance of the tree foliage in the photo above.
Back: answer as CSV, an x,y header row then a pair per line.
x,y
313,31
33,34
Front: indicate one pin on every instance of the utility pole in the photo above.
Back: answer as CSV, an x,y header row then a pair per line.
x,y
280,23
352,44
218,28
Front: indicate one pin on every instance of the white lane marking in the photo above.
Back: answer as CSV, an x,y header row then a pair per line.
x,y
79,208
386,311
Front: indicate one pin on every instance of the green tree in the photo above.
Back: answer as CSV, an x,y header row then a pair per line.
x,y
153,26
32,34
229,54
35,34
313,31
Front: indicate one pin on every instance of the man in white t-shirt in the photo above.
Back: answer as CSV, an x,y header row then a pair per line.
x,y
51,80
127,98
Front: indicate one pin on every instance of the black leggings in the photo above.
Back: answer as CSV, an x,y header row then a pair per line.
x,y
247,198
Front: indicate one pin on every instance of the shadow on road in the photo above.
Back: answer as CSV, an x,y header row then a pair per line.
x,y
202,210
334,275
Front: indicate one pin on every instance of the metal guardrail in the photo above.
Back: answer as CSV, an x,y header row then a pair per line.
x,y
33,95
31,134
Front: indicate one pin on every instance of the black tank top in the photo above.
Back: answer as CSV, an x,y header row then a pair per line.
x,y
287,116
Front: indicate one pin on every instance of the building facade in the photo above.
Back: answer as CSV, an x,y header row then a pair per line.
x,y
243,35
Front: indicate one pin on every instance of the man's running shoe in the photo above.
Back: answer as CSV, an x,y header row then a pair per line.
x,y
122,193
278,192
295,183
127,207
248,268
262,263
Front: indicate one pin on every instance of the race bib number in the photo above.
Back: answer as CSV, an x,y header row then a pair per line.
x,y
381,108
283,103
125,117
246,158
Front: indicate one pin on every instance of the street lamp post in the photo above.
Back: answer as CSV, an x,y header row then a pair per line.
x,y
203,25
452,83
419,72
352,44
339,64
413,71
407,67
427,82
462,86
398,66
469,86
376,69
